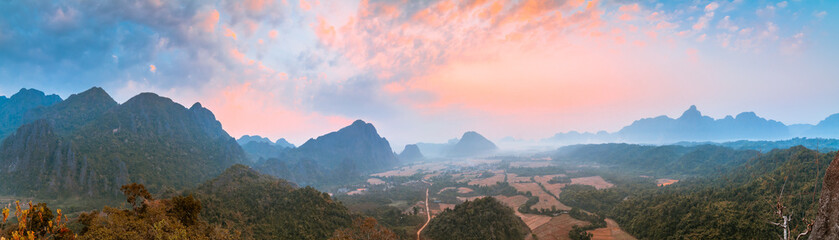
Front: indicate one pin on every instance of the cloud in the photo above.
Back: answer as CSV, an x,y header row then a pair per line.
x,y
392,61
727,25
820,14
709,15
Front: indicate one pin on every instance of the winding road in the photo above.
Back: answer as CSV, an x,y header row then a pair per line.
x,y
427,212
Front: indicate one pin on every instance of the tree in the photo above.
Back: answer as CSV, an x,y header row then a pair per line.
x,y
136,195
364,228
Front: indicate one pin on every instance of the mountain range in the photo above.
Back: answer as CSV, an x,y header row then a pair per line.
x,y
334,157
90,144
471,144
258,147
693,126
13,109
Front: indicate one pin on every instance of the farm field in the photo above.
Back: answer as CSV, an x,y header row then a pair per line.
x,y
611,232
557,228
545,199
664,181
595,181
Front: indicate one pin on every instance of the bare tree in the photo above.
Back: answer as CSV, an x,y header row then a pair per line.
x,y
780,210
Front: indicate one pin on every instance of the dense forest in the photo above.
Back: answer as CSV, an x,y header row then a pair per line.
x,y
737,205
669,160
484,218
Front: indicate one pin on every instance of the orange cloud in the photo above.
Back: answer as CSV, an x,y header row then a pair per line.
x,y
273,34
229,33
305,5
152,68
209,21
256,5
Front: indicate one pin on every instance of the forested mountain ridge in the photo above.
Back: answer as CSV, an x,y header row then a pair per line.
x,y
738,203
74,112
334,157
148,139
483,218
264,207
13,109
700,160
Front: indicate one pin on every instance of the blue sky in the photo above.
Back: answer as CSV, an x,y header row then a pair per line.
x,y
430,70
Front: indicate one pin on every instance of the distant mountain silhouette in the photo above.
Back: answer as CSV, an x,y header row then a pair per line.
x,y
257,150
829,127
88,145
258,147
472,144
349,152
255,138
692,126
410,153
13,109
434,150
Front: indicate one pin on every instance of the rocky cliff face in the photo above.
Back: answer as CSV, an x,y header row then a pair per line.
x,y
826,225
337,156
357,144
13,109
149,139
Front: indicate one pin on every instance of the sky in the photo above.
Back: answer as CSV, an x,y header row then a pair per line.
x,y
429,70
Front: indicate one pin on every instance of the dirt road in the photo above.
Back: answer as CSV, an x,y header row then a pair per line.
x,y
427,212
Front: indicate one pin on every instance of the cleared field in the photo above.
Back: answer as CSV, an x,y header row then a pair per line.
x,y
464,190
474,162
611,232
375,181
444,206
513,178
545,200
488,181
411,170
429,176
531,164
596,182
557,228
513,202
555,188
532,220
664,181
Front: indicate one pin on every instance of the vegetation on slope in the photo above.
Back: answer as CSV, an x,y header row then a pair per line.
x,y
737,205
264,207
484,218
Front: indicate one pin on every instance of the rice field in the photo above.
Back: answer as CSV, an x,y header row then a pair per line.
x,y
595,181
499,177
533,221
557,228
664,181
375,181
555,188
546,201
611,232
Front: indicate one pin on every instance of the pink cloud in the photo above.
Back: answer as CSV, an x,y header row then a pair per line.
x,y
248,109
208,21
305,5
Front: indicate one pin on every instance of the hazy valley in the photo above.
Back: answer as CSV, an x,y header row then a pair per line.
x,y
81,153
